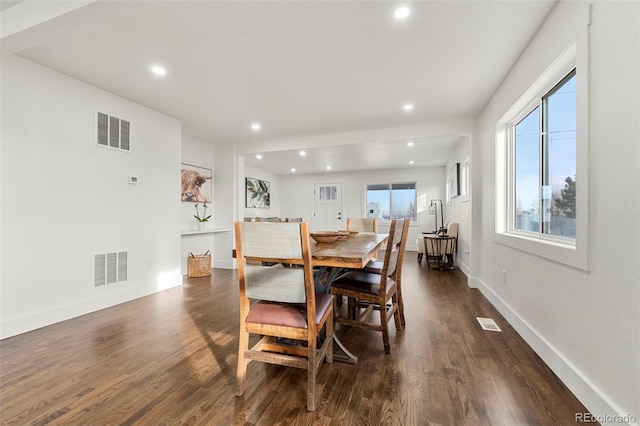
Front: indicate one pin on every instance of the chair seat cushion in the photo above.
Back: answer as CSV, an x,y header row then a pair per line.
x,y
364,282
374,266
288,314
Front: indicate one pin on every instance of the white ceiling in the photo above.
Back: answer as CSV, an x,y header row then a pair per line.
x,y
300,68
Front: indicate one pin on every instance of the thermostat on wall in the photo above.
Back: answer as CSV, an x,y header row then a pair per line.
x,y
133,180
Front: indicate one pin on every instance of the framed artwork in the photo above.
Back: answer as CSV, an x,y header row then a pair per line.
x,y
454,180
258,193
196,183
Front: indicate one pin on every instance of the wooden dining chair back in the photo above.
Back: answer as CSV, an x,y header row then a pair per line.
x,y
363,224
452,231
375,266
279,303
450,250
368,291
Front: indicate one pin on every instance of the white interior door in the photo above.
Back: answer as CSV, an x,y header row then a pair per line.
x,y
327,207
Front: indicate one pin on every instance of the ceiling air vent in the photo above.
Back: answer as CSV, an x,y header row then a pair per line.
x,y
110,268
112,132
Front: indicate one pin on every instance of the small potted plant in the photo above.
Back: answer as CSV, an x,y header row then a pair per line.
x,y
202,220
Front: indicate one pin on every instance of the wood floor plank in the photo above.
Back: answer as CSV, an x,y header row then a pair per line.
x,y
170,358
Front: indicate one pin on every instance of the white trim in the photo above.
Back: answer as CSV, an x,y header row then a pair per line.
x,y
224,264
390,184
576,255
465,179
34,320
590,395
549,78
464,268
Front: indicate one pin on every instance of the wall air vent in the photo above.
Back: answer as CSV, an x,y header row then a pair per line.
x,y
110,268
112,132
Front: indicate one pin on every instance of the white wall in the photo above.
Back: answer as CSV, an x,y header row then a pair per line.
x,y
584,325
297,193
202,154
459,208
276,193
229,202
65,200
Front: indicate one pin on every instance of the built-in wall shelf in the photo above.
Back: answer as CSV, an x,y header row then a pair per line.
x,y
204,231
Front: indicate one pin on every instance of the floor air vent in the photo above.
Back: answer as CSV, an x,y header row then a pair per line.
x,y
488,324
110,268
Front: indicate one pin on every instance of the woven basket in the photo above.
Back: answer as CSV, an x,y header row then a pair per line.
x,y
199,265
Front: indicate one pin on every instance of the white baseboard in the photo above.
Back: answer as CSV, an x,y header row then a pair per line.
x,y
473,282
587,392
463,267
34,320
224,264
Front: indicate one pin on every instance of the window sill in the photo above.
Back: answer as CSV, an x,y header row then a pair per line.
x,y
556,251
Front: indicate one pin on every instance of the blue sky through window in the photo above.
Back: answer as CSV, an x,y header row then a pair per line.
x,y
403,199
558,150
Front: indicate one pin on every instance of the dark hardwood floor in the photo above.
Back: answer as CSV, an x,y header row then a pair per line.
x,y
170,358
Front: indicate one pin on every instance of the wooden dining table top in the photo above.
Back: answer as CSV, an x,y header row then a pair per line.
x,y
351,252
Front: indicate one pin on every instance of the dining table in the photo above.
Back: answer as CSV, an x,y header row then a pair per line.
x,y
351,252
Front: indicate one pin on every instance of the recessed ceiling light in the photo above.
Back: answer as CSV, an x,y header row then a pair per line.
x,y
402,12
256,126
328,167
411,162
259,157
158,70
407,107
303,153
410,143
293,170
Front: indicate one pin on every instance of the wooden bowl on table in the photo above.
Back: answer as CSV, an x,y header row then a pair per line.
x,y
325,236
350,232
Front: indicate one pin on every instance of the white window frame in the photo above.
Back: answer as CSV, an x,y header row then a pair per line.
x,y
390,184
465,171
571,252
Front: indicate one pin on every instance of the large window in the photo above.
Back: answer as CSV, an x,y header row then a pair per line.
x,y
389,201
542,158
544,164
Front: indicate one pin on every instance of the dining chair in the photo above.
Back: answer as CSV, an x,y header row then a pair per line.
x,y
375,266
451,249
363,224
371,291
281,304
452,231
441,253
